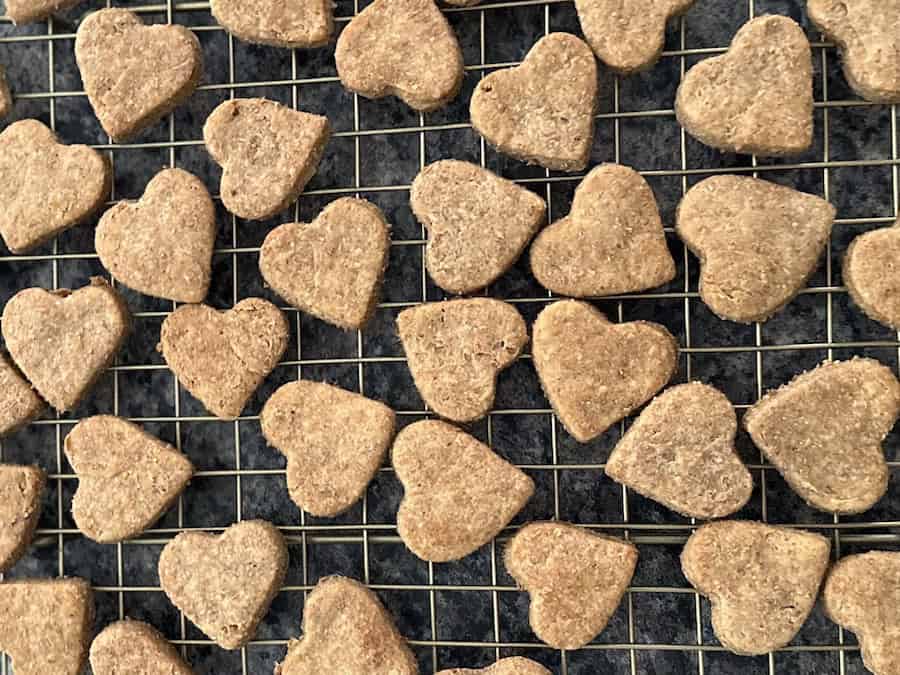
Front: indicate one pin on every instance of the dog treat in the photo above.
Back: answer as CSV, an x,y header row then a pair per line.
x,y
576,579
595,372
542,111
63,340
47,625
762,581
21,488
19,404
862,594
6,102
755,99
303,23
611,242
758,243
334,442
347,630
29,11
514,665
680,452
823,432
402,48
225,583
333,267
871,277
46,187
162,245
268,153
458,495
126,478
456,349
478,223
135,74
135,648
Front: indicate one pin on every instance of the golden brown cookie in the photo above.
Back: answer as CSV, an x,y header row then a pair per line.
x,y
823,432
135,648
21,488
6,102
306,23
458,493
872,274
757,98
29,11
332,267
514,665
455,350
478,223
19,404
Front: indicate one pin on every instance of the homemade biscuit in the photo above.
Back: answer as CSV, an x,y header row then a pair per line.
x,y
307,23
823,432
755,99
135,648
762,581
514,665
595,372
21,488
872,274
29,11
576,579
455,350
6,102
611,242
19,404
458,493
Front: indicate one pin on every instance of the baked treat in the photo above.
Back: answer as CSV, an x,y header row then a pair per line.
x,y
514,665
680,452
135,74
458,493
402,48
225,583
823,432
455,350
762,581
332,267
222,357
63,340
346,630
755,99
21,489
611,242
126,478
135,648
758,243
46,187
334,442
19,404
478,223
29,11
307,23
870,272
542,111
576,579
6,102
268,153
595,372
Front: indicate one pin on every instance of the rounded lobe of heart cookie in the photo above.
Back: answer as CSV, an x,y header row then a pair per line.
x,y
29,11
19,403
576,579
761,580
758,243
542,111
135,74
458,493
21,488
611,242
225,583
755,99
402,48
135,647
333,267
162,245
514,665
6,102
301,24
824,431
46,187
870,271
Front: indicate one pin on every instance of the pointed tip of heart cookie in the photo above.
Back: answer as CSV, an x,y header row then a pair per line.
x,y
309,24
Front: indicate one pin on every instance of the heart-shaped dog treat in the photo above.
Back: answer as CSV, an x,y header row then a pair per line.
x,y
29,11
46,187
680,452
63,340
21,488
514,665
334,442
542,111
576,579
302,23
762,581
402,48
225,583
756,98
333,267
871,274
137,648
6,102
455,350
19,404
347,630
135,74
823,432
596,372
611,242
126,477
162,245
459,493
478,223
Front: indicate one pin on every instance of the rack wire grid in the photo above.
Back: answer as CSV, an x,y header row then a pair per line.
x,y
469,613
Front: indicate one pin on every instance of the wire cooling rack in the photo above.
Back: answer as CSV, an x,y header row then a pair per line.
x,y
467,613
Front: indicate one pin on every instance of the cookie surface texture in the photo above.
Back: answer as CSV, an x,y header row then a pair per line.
x,y
870,271
19,404
298,24
29,11
21,489
514,665
136,648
